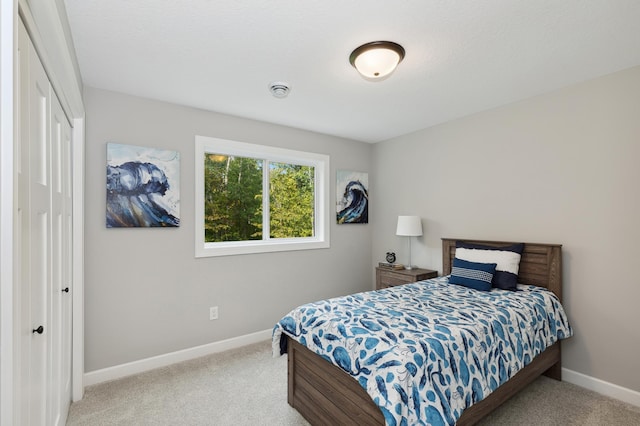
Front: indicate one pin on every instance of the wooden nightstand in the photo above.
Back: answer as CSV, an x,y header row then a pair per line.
x,y
390,277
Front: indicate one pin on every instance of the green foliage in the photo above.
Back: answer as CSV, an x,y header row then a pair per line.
x,y
233,199
291,200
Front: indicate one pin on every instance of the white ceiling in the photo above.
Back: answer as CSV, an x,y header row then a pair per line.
x,y
461,56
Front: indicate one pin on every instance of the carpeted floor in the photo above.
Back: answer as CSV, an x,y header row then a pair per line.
x,y
247,386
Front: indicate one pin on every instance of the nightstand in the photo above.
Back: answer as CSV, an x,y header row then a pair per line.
x,y
393,277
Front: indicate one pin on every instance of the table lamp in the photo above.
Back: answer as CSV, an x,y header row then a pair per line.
x,y
409,226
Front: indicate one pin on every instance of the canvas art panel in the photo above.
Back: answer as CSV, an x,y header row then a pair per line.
x,y
352,193
143,187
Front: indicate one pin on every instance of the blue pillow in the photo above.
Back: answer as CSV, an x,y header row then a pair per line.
x,y
472,274
507,258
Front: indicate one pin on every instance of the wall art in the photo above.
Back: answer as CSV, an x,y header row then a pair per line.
x,y
352,194
143,187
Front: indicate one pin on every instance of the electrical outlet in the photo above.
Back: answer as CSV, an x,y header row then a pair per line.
x,y
213,313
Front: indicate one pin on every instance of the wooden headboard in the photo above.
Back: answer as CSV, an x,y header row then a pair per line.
x,y
541,264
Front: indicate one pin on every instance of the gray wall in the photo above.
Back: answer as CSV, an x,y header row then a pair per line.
x,y
145,292
559,168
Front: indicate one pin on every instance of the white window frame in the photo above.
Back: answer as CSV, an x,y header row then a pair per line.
x,y
320,162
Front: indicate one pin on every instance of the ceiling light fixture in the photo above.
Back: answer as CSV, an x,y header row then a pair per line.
x,y
376,60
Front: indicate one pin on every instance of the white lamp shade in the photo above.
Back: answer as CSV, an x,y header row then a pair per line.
x,y
409,226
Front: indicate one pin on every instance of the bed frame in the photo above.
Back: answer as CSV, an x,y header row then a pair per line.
x,y
326,395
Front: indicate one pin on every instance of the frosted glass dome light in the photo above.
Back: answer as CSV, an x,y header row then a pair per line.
x,y
376,60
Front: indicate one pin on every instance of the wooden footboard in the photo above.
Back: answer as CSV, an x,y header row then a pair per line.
x,y
326,395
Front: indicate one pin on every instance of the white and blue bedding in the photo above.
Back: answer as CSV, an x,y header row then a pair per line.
x,y
426,351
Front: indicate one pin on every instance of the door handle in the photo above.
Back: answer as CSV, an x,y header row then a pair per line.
x,y
66,289
38,330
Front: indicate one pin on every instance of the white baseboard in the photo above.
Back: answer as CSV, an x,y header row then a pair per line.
x,y
140,366
605,388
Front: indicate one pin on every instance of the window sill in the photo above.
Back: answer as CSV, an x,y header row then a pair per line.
x,y
249,247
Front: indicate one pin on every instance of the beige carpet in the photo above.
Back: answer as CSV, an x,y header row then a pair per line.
x,y
247,386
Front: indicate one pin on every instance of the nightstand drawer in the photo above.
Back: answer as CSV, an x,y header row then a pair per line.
x,y
390,278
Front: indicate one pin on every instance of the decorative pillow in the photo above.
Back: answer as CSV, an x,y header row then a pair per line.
x,y
506,258
472,274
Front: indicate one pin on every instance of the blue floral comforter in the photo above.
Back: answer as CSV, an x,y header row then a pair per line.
x,y
426,351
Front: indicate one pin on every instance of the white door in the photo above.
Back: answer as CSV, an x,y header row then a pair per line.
x,y
66,284
67,277
35,219
59,339
43,232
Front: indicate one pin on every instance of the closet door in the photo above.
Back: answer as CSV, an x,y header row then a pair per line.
x,y
67,304
59,297
21,237
67,267
35,229
43,231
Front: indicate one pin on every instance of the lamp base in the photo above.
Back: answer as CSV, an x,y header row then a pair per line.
x,y
409,267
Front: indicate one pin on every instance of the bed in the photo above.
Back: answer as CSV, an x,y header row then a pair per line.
x,y
325,394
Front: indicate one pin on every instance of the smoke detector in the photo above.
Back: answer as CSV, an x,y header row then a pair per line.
x,y
279,89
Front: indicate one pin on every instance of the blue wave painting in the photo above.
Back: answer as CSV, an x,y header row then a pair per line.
x,y
143,187
352,197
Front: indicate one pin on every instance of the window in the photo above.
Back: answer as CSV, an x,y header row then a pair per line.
x,y
255,198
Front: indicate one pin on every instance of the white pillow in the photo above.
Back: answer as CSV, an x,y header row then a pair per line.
x,y
506,261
